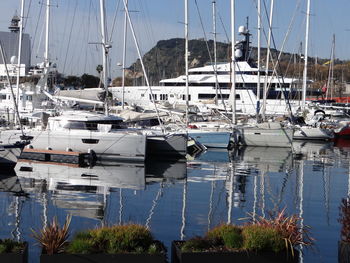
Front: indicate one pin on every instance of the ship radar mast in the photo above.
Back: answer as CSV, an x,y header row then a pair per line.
x,y
14,26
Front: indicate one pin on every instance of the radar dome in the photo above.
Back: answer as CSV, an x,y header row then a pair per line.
x,y
238,53
242,30
13,60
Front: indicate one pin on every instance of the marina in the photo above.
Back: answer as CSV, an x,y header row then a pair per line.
x,y
230,150
181,200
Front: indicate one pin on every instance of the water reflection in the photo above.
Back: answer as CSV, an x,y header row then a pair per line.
x,y
182,199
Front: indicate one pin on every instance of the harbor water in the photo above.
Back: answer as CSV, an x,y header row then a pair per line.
x,y
179,200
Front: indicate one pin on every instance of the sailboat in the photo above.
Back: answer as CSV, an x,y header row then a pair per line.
x,y
94,132
304,132
268,133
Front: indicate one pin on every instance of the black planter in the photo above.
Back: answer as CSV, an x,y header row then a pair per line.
x,y
103,258
228,257
15,257
343,252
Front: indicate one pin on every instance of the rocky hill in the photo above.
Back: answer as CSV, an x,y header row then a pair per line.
x,y
166,60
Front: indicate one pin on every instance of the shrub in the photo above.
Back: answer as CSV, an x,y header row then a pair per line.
x,y
259,238
11,246
345,220
196,244
131,238
229,236
53,237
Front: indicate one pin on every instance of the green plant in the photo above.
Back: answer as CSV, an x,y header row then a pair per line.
x,y
258,238
53,237
11,246
196,244
345,220
131,238
226,235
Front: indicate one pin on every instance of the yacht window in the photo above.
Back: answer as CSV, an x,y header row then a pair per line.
x,y
142,95
29,97
8,97
3,97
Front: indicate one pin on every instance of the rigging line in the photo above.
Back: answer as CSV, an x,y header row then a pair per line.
x,y
210,56
114,20
29,6
65,25
70,36
37,25
277,64
88,35
224,28
80,56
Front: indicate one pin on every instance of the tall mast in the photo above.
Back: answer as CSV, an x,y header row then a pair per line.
x,y
104,52
186,60
306,53
233,62
47,40
332,66
259,59
20,38
124,55
267,59
215,53
47,36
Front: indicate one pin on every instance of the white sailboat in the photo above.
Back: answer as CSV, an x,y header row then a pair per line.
x,y
305,132
266,133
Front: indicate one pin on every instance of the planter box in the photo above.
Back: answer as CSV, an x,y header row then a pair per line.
x,y
343,252
15,257
228,257
103,258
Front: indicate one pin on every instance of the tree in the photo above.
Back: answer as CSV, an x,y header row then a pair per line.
x,y
72,81
89,81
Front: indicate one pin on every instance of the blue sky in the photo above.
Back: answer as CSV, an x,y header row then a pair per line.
x,y
162,19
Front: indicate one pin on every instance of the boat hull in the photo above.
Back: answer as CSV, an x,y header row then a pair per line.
x,y
9,154
167,146
108,147
312,133
211,139
251,136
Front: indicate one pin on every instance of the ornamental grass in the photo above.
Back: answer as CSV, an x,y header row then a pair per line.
x,y
53,238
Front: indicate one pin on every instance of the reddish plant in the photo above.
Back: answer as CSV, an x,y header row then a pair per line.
x,y
345,220
290,228
53,237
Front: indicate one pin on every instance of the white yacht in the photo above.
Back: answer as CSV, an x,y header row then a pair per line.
x,y
90,132
211,85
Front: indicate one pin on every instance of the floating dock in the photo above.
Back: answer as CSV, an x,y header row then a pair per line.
x,y
69,157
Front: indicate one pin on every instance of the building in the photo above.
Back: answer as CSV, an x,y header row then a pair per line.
x,y
9,41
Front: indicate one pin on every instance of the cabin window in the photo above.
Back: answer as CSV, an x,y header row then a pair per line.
x,y
29,97
3,97
184,97
142,95
75,125
154,96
